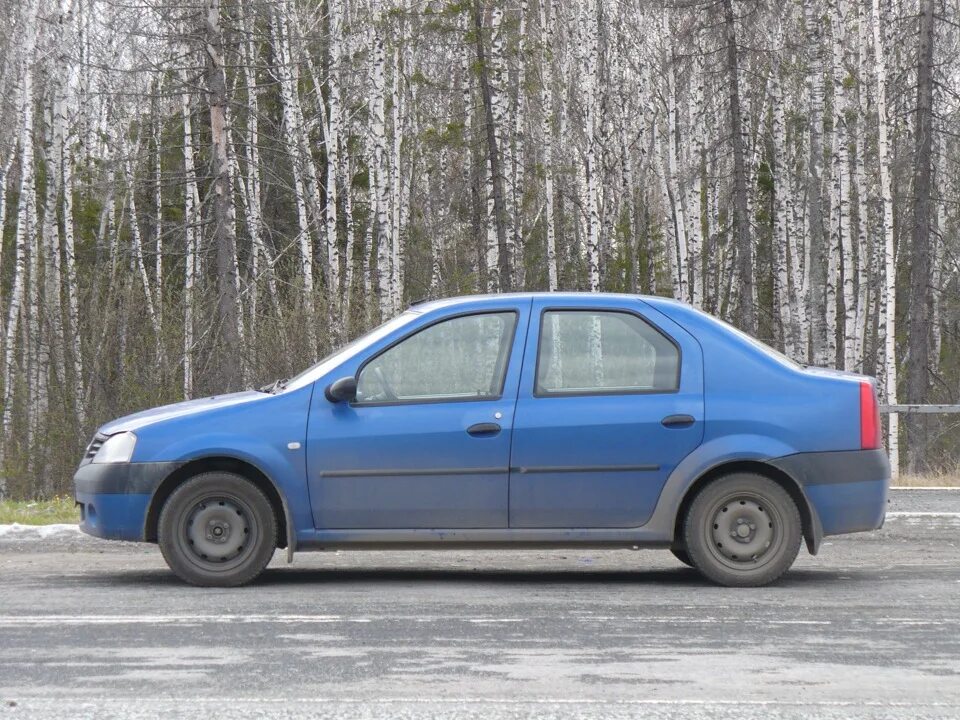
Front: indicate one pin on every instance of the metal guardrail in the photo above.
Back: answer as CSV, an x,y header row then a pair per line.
x,y
921,409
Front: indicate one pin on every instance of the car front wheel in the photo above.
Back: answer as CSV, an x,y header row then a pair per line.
x,y
742,530
218,530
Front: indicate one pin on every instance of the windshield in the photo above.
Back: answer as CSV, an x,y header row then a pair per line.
x,y
338,356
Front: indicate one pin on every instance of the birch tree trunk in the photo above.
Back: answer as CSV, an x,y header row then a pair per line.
x,y
746,312
190,224
676,194
918,330
781,240
697,186
380,184
547,110
816,298
841,238
331,139
26,226
592,166
890,271
396,188
230,351
136,248
500,278
293,125
72,288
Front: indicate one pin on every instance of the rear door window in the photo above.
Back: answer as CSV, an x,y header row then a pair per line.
x,y
588,352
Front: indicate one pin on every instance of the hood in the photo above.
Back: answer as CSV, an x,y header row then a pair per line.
x,y
181,409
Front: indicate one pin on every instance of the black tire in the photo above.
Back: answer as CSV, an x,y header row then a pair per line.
x,y
681,554
742,530
217,530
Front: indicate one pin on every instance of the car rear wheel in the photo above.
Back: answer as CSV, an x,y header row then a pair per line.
x,y
217,530
742,530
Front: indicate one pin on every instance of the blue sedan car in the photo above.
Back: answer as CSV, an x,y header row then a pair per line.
x,y
526,420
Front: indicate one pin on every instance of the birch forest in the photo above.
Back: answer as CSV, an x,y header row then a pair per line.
x,y
200,198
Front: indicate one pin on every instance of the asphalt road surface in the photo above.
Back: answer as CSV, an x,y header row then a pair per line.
x,y
870,628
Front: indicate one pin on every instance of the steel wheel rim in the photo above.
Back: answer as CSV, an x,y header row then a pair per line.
x,y
218,532
744,531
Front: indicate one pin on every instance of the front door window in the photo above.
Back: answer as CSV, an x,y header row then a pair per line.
x,y
464,358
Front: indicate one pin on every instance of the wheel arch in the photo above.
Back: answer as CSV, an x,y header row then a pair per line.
x,y
812,530
223,464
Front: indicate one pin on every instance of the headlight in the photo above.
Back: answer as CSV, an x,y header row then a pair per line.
x,y
116,448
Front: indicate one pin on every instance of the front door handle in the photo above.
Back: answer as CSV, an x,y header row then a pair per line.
x,y
678,421
484,428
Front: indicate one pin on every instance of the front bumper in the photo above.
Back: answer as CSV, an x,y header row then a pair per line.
x,y
847,490
114,497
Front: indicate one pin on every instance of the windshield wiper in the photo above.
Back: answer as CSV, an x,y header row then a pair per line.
x,y
276,386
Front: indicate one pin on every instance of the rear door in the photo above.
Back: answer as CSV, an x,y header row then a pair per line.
x,y
610,401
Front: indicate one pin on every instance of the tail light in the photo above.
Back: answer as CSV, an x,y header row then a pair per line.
x,y
869,418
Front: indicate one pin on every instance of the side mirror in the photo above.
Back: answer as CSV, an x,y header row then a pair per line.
x,y
342,390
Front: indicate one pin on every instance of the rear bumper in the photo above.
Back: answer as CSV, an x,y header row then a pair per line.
x,y
847,490
114,497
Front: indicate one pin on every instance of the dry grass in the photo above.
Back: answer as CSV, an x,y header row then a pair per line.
x,y
39,512
937,479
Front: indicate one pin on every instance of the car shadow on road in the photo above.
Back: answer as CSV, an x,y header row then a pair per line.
x,y
503,576
680,577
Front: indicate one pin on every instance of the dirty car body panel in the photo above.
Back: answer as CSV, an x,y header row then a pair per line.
x,y
523,438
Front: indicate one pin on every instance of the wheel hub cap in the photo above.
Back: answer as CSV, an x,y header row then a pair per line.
x,y
742,530
217,530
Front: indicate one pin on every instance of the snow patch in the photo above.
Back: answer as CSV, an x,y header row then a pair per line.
x,y
38,532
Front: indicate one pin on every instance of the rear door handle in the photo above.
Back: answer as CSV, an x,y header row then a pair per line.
x,y
484,428
677,421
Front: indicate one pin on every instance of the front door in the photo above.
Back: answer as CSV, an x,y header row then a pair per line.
x,y
427,442
609,404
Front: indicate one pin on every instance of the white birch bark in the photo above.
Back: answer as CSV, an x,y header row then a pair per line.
x,y
670,229
840,236
158,230
592,162
380,184
499,101
329,215
32,338
259,252
697,188
350,248
332,144
53,272
781,184
191,223
518,178
396,188
72,288
859,143
937,252
890,276
547,110
4,177
292,121
676,194
136,246
26,225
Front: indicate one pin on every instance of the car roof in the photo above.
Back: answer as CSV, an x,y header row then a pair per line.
x,y
468,300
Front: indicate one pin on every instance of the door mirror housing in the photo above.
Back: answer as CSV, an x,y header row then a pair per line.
x,y
342,390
